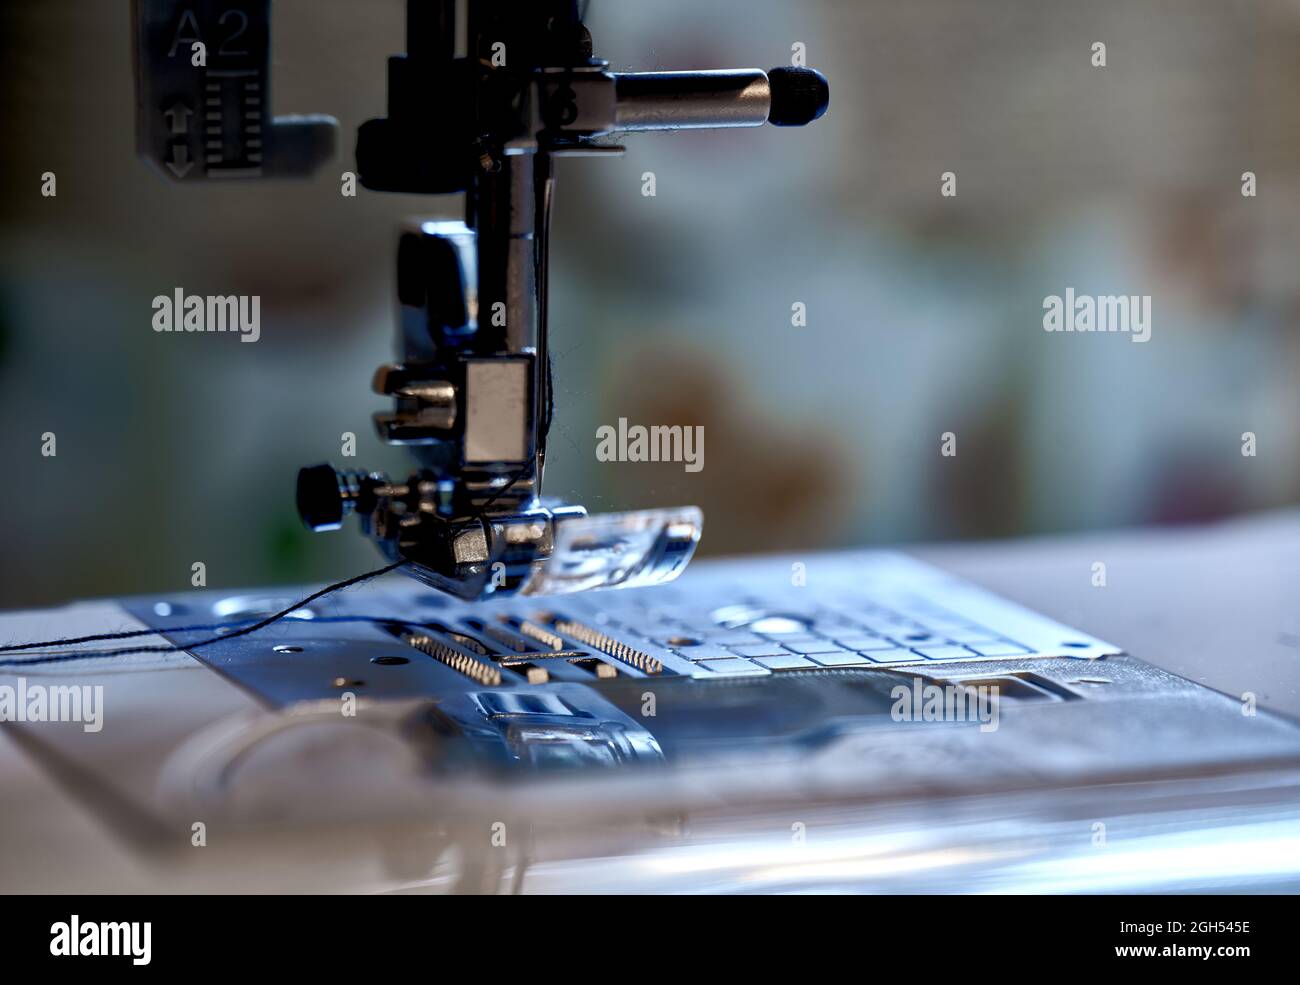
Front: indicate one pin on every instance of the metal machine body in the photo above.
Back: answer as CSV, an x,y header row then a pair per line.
x,y
488,95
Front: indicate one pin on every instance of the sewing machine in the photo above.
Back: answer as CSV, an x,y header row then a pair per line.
x,y
472,391
856,721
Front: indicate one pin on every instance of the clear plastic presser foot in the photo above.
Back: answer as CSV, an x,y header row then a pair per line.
x,y
539,548
618,550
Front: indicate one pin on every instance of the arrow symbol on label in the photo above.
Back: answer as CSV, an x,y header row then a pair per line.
x,y
178,116
179,163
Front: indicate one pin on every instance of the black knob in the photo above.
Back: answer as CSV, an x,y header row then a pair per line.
x,y
799,96
326,495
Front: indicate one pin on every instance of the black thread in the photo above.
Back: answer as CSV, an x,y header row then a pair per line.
x,y
201,627
327,590
88,655
254,627
102,637
531,463
174,648
260,624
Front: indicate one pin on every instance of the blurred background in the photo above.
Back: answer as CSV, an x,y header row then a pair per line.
x,y
924,313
